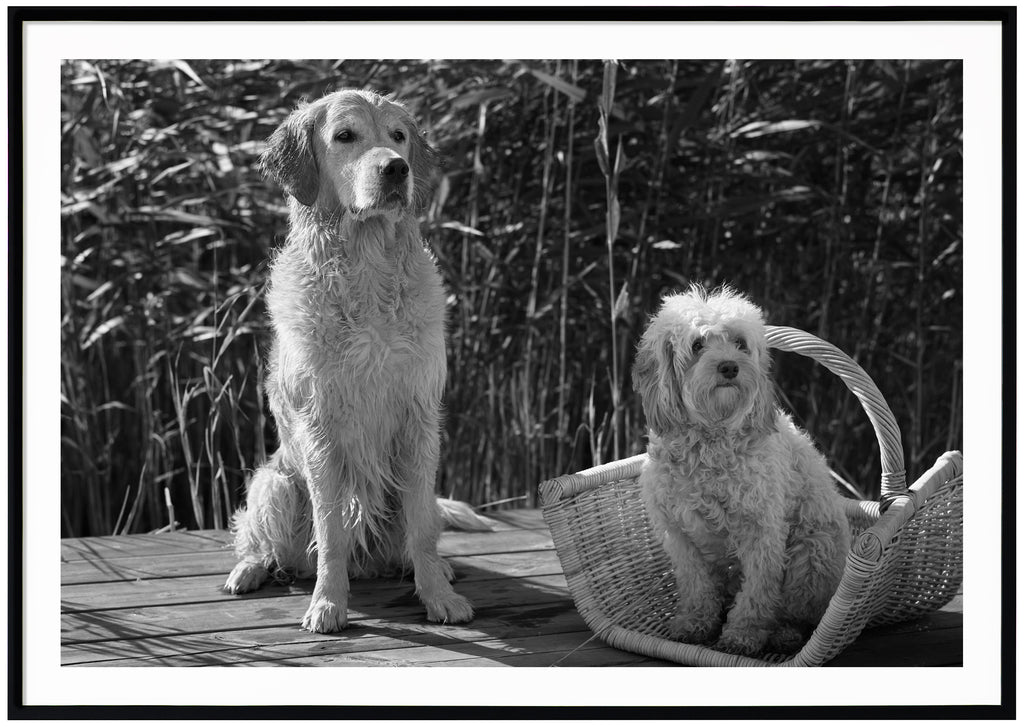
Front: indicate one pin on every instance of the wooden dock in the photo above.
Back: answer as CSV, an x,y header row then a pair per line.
x,y
155,600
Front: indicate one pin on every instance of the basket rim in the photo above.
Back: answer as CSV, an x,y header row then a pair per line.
x,y
863,387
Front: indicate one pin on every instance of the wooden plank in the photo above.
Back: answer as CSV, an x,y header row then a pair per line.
x,y
274,608
499,622
189,541
391,645
168,565
511,541
574,649
543,650
925,647
119,546
143,592
110,550
935,620
595,656
513,564
167,591
525,519
131,568
933,640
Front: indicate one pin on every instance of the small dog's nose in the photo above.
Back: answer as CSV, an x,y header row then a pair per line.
x,y
729,369
395,170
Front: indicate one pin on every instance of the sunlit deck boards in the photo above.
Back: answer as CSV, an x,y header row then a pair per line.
x,y
155,600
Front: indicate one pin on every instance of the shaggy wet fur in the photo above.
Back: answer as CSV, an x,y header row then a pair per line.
x,y
742,499
357,368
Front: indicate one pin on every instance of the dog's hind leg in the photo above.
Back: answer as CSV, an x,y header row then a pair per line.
x,y
416,467
272,534
247,575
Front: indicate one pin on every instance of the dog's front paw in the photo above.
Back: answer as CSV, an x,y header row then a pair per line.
x,y
450,608
689,629
245,577
325,617
745,642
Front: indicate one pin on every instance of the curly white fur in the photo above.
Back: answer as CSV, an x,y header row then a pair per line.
x,y
357,368
744,502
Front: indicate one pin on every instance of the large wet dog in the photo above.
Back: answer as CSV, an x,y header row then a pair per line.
x,y
357,368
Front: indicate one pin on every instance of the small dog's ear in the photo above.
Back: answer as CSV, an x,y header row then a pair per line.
x,y
654,378
289,158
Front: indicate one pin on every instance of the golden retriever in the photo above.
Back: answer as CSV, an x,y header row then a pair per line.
x,y
357,368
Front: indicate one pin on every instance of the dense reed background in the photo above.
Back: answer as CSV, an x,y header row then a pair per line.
x,y
575,194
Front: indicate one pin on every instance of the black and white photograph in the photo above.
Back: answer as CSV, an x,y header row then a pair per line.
x,y
498,361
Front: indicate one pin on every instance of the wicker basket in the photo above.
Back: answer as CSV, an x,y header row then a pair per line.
x,y
906,559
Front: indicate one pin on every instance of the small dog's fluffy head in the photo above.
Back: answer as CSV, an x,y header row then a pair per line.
x,y
703,361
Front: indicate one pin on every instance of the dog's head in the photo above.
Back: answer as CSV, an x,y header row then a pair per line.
x,y
352,151
703,361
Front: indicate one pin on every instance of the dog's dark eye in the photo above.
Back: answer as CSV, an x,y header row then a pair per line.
x,y
697,346
345,136
741,344
399,135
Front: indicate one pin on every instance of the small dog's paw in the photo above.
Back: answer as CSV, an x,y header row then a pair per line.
x,y
785,640
325,617
691,630
745,642
450,608
245,577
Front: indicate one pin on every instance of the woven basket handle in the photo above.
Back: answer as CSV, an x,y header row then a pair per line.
x,y
894,481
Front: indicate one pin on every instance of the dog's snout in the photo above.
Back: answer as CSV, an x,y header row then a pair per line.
x,y
729,369
395,170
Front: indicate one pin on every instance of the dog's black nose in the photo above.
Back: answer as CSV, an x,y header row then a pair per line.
x,y
395,170
729,369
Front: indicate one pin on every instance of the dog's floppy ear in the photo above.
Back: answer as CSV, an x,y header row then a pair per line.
x,y
289,158
425,161
654,378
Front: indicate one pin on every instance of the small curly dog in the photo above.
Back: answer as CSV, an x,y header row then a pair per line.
x,y
357,368
745,504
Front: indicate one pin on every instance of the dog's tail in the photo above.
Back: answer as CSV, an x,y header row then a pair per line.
x,y
457,514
